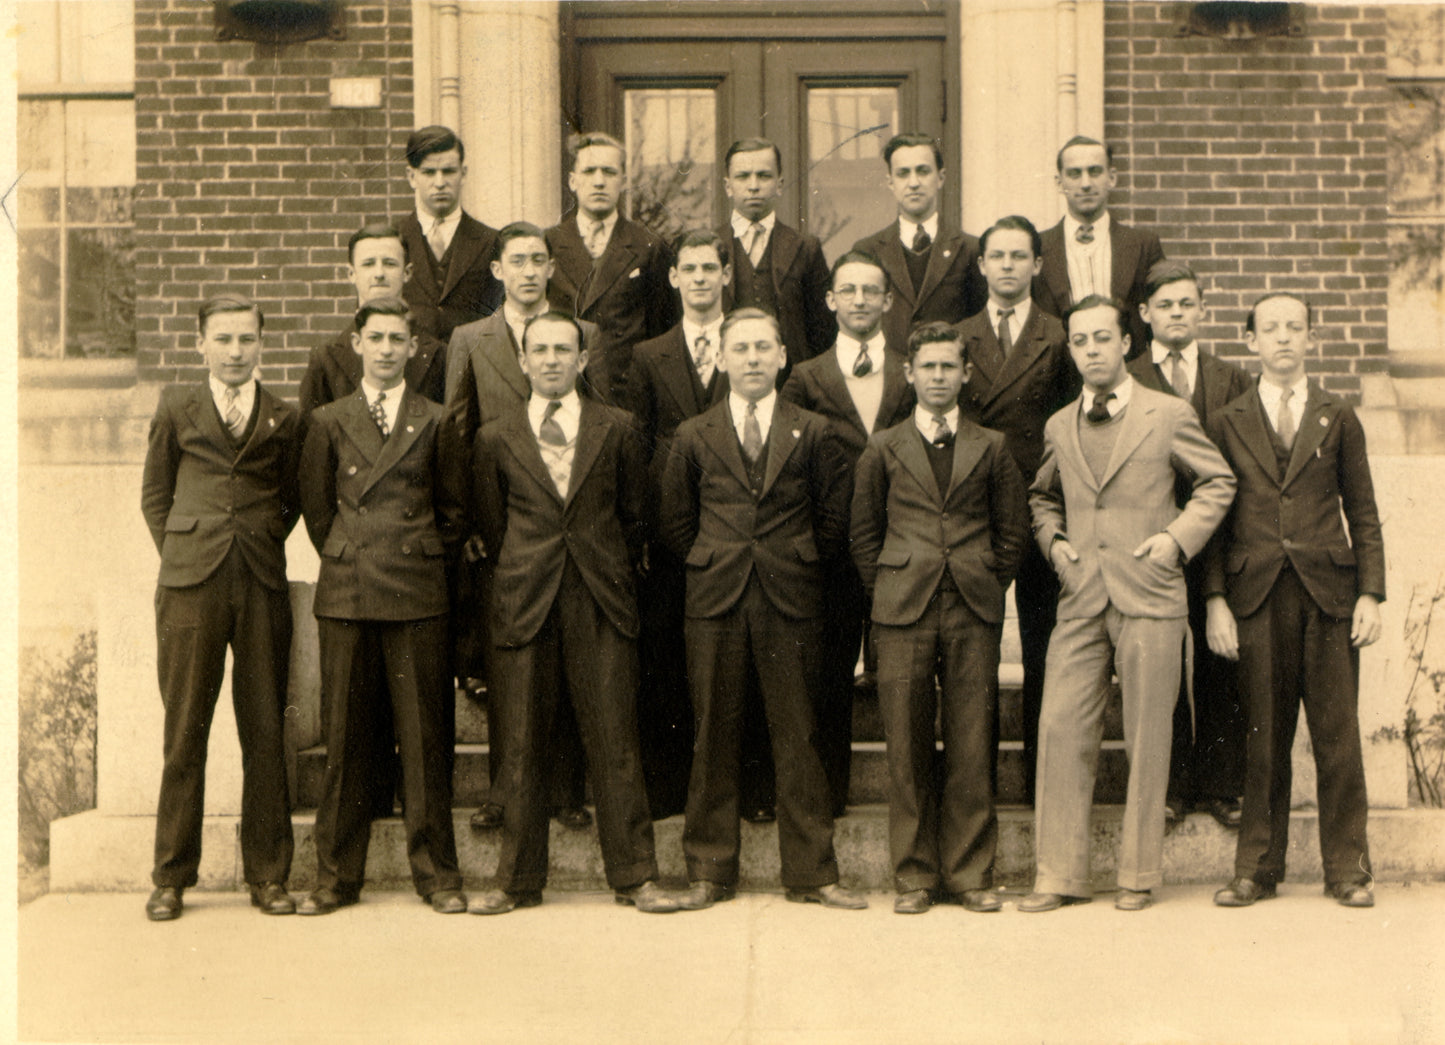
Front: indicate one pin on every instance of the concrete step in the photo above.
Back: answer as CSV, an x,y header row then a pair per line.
x,y
95,851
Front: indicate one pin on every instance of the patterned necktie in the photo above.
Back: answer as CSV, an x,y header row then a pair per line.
x,y
1099,412
755,248
752,435
234,421
702,356
550,431
942,436
1178,377
862,366
921,240
1284,425
1085,234
1005,335
435,241
596,241
378,414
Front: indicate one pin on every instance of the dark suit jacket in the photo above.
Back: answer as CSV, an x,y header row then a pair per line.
x,y
663,391
625,292
953,287
484,379
818,385
334,371
468,291
201,497
598,527
711,520
1297,517
905,533
800,285
1016,396
385,516
1133,251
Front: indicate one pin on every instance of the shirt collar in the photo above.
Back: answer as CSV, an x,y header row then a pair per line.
x,y
586,221
244,392
923,420
908,228
739,407
1016,321
691,330
570,408
1269,394
1071,226
742,224
450,222
849,348
371,391
1189,353
1122,395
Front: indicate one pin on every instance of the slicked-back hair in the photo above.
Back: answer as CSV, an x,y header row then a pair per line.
x,y
1309,309
701,238
228,303
936,333
587,139
1099,301
908,141
518,230
1017,223
556,316
428,140
739,315
858,257
376,230
1167,271
1082,139
752,145
388,306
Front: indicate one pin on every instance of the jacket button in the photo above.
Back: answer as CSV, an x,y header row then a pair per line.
x,y
406,549
361,510
351,470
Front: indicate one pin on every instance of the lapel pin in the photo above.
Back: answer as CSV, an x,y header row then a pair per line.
x,y
351,470
1324,421
948,253
271,422
410,428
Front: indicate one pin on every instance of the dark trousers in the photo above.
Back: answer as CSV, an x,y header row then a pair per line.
x,y
576,646
1206,759
782,654
942,828
371,671
1292,653
193,628
664,707
843,617
1036,595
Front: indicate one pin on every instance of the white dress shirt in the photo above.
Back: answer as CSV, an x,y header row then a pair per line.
x,y
1189,355
926,421
742,225
908,229
739,408
390,406
245,399
1269,395
585,225
448,229
690,333
1122,395
1090,264
558,459
867,391
1015,322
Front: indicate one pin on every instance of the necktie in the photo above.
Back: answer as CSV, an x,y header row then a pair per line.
x,y
550,431
752,435
1085,234
596,241
755,248
921,240
862,366
1099,412
378,414
1178,378
702,356
941,433
1284,420
1005,335
435,241
234,421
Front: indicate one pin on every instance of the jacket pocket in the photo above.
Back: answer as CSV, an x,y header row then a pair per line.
x,y
1342,556
894,557
180,523
335,546
1235,562
807,550
699,557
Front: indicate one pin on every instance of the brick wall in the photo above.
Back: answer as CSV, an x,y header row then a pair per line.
x,y
1263,164
249,182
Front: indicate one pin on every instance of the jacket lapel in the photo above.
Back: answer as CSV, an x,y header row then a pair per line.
x,y
940,259
355,420
1124,258
422,270
572,258
836,389
410,420
616,261
895,388
466,244
591,433
523,444
718,433
1028,347
897,268
1246,414
676,370
988,360
1138,419
1070,449
906,444
497,349
785,243
268,412
1055,272
968,448
208,421
782,438
1313,424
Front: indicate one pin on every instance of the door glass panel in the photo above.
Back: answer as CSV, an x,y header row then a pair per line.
x,y
1417,289
671,142
846,198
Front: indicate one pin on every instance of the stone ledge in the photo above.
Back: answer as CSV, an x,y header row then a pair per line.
x,y
95,852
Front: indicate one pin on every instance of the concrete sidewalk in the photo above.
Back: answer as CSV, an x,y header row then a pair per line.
x,y
580,969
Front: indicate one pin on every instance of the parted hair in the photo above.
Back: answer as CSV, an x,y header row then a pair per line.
x,y
577,142
1017,223
908,141
1309,309
228,303
935,333
388,306
428,140
701,238
557,316
1167,271
376,230
858,257
1098,301
739,315
518,230
1083,139
752,145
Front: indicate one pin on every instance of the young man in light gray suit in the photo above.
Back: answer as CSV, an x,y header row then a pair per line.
x,y
1104,513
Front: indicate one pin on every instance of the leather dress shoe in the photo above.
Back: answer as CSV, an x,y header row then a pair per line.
x,y
272,898
576,819
761,815
1226,810
328,899
1037,903
488,817
448,901
701,895
1241,892
1133,899
164,904
498,901
1351,894
915,901
649,898
833,895
980,901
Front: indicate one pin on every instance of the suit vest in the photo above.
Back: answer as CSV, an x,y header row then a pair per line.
x,y
753,287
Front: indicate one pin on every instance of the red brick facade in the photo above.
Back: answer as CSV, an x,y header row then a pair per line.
x,y
1263,164
248,181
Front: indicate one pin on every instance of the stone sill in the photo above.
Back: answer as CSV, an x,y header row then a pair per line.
x,y
77,373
